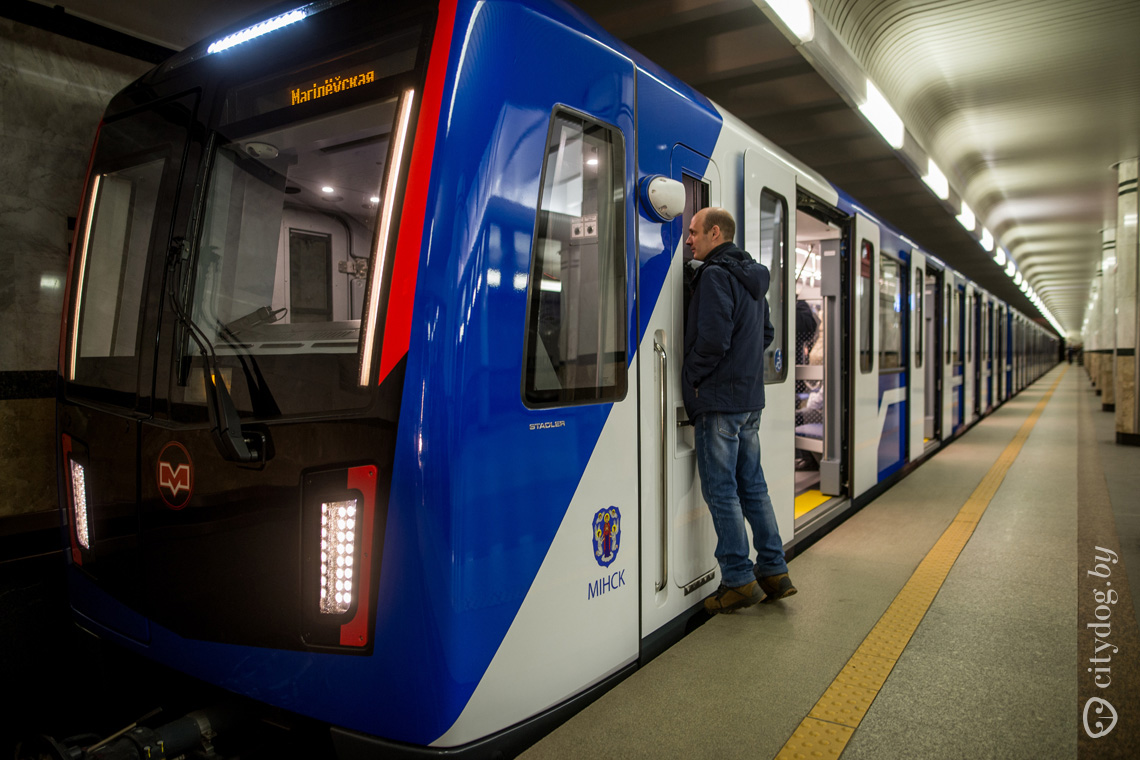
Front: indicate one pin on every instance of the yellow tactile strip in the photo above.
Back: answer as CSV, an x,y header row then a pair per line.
x,y
832,722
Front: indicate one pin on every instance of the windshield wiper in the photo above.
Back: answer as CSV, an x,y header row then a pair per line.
x,y
224,419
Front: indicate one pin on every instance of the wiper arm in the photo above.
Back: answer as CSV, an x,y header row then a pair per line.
x,y
223,414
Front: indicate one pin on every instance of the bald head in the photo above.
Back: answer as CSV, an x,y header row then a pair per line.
x,y
710,228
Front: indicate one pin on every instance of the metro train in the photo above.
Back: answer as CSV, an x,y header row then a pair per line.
x,y
370,402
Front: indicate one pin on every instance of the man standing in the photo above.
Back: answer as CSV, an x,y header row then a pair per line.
x,y
727,331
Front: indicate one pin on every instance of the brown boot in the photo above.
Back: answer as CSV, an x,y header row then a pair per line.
x,y
732,599
776,587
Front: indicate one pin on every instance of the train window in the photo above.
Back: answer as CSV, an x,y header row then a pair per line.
x,y
126,213
278,286
866,308
890,314
773,253
920,312
949,323
576,304
117,247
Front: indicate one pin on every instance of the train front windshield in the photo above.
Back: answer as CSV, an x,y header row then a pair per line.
x,y
270,289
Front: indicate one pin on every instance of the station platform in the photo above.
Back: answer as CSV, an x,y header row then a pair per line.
x,y
949,618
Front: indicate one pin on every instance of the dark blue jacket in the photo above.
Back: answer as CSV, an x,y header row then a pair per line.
x,y
727,330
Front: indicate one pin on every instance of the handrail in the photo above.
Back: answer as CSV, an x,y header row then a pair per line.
x,y
663,365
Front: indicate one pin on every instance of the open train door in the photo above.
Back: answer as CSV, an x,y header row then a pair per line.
x,y
865,354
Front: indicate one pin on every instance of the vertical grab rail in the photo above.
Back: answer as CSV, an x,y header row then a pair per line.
x,y
663,366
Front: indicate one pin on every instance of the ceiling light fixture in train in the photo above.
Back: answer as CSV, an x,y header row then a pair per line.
x,y
797,15
1017,278
1000,257
1011,268
967,218
882,117
936,180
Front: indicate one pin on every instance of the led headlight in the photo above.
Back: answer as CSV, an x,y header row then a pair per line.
x,y
79,504
338,546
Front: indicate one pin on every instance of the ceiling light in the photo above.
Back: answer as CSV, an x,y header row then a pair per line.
x,y
327,189
936,180
1010,268
1001,256
1017,278
987,239
967,218
882,117
375,199
797,16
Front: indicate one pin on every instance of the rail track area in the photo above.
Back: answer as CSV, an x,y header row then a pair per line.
x,y
947,619
964,613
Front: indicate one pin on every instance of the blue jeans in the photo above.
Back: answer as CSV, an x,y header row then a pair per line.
x,y
732,482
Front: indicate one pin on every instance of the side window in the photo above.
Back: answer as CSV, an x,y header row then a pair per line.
x,y
920,314
773,253
127,213
866,308
890,314
575,350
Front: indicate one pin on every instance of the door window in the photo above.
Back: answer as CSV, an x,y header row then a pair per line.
x,y
866,307
773,253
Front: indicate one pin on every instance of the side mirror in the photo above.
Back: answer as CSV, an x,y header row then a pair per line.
x,y
662,198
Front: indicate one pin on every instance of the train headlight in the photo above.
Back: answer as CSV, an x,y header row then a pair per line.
x,y
79,505
338,549
341,529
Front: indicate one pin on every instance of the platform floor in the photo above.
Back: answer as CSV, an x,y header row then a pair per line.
x,y
879,657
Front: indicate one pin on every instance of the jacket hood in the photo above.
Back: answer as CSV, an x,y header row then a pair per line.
x,y
751,274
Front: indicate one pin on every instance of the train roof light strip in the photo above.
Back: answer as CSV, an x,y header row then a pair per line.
x,y
250,32
260,29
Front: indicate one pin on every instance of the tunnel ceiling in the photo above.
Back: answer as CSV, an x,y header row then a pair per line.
x,y
1026,105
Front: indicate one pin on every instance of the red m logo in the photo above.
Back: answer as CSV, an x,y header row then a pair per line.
x,y
175,479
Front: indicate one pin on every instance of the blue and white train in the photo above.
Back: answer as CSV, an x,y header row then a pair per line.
x,y
370,403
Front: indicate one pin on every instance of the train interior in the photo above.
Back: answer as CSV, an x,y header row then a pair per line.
x,y
817,356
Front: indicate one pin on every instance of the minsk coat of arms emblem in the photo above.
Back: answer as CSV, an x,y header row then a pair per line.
x,y
607,535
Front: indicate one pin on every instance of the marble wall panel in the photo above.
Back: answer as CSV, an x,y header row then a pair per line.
x,y
27,456
54,91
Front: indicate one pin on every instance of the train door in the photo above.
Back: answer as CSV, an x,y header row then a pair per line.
x,y
999,354
133,209
969,359
819,391
918,348
892,422
678,539
933,307
865,354
769,236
